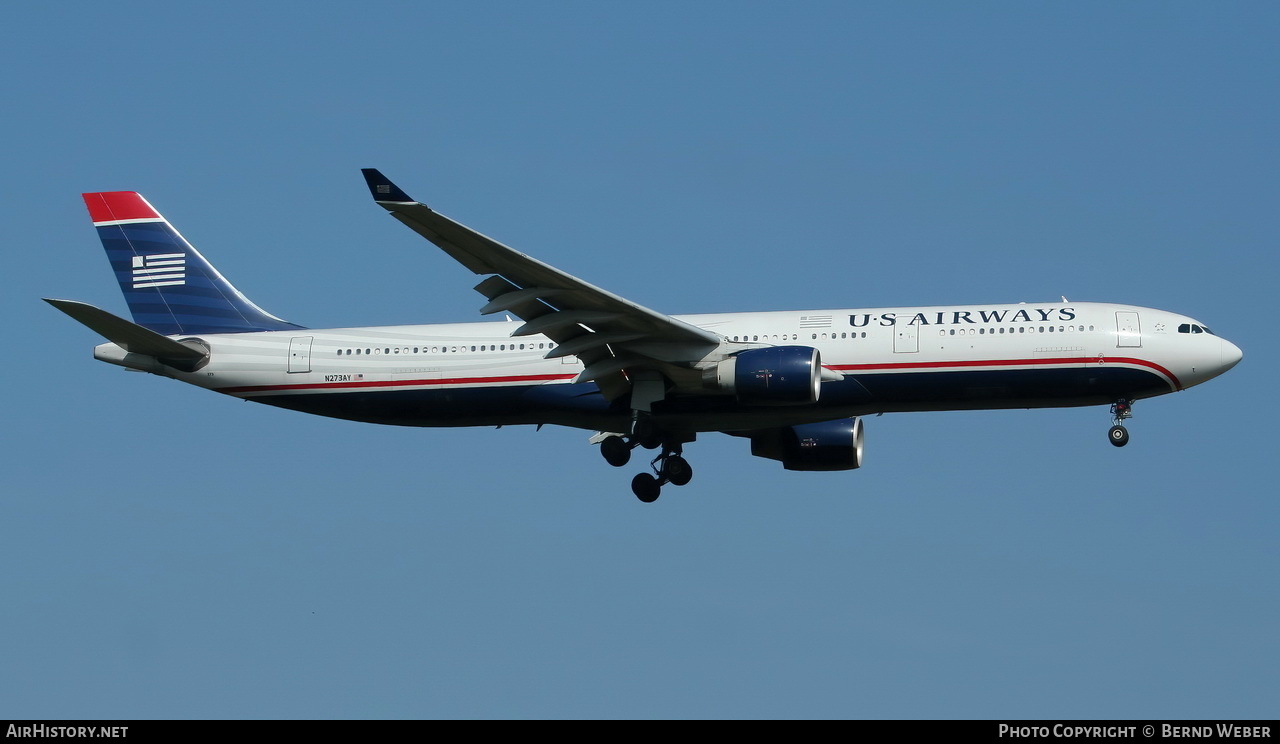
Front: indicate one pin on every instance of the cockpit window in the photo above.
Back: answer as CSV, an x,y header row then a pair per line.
x,y
1193,328
1184,328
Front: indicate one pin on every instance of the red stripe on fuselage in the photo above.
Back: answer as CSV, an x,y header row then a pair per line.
x,y
111,206
1101,361
393,383
883,367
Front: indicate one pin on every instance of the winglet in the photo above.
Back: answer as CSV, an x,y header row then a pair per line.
x,y
382,188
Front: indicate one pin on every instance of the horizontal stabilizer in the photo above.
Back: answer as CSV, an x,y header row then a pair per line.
x,y
131,337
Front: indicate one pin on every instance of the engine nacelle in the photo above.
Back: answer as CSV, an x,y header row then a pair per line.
x,y
778,375
828,445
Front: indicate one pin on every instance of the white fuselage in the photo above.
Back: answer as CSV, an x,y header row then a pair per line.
x,y
891,359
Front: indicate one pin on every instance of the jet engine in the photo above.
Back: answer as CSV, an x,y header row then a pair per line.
x,y
828,445
778,375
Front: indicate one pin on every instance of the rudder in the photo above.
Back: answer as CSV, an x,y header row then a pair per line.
x,y
170,288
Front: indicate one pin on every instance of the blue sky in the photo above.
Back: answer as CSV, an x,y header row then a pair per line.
x,y
168,553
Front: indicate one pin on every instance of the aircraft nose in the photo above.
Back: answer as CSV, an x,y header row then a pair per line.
x,y
1230,355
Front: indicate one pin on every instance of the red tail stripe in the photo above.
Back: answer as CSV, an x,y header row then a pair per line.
x,y
111,206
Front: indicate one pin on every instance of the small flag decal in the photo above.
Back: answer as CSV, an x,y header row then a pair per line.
x,y
159,270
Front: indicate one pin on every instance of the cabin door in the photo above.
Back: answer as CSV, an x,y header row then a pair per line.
x,y
1128,331
300,354
905,338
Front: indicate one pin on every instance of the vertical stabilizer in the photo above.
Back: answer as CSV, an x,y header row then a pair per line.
x,y
169,287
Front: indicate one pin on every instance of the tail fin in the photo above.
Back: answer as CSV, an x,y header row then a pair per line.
x,y
170,288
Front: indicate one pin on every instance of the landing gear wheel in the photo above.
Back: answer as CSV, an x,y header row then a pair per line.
x,y
645,433
616,451
676,470
646,488
1118,435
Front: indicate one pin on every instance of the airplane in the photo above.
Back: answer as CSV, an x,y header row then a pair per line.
x,y
797,385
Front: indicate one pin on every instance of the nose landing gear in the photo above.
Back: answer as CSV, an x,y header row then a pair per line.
x,y
1120,410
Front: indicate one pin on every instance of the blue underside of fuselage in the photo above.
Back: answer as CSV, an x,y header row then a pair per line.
x,y
583,406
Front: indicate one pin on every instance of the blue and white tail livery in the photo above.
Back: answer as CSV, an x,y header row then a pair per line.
x,y
169,287
795,384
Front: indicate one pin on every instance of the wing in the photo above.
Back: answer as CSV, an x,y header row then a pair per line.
x,y
616,339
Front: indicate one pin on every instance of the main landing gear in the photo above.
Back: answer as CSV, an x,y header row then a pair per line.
x,y
668,467
1120,410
